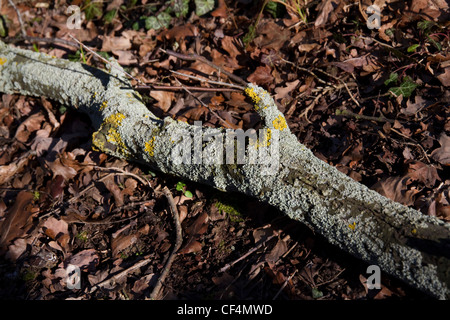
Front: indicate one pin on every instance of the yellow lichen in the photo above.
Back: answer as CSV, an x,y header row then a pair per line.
x,y
252,94
279,123
150,147
2,61
104,105
352,225
113,136
115,119
266,139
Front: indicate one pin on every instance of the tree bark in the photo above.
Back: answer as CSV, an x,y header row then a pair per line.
x,y
403,242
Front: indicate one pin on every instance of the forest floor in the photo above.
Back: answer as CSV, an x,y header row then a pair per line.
x,y
372,102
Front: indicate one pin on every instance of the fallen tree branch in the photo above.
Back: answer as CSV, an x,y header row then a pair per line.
x,y
400,240
178,242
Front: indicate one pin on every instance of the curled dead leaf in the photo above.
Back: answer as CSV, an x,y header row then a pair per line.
x,y
442,154
17,220
396,189
8,171
122,242
164,99
86,260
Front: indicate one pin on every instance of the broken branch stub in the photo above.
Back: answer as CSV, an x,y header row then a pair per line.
x,y
276,168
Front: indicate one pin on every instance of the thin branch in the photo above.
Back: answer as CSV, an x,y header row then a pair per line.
x,y
284,285
196,57
19,16
209,81
206,106
106,61
46,40
179,240
229,265
171,88
118,276
361,116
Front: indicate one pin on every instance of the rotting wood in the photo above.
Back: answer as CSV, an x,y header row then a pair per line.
x,y
400,240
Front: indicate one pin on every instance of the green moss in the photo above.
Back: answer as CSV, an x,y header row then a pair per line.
x,y
231,210
29,275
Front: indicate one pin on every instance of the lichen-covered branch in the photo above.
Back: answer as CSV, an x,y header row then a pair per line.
x,y
401,241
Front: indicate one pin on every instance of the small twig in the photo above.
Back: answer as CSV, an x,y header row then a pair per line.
x,y
106,61
19,16
284,285
343,83
229,265
179,240
313,104
123,172
209,81
46,40
118,276
307,71
361,116
332,279
160,87
206,106
196,57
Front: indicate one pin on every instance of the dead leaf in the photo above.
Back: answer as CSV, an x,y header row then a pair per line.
x,y
200,225
283,92
442,154
9,171
54,228
130,186
271,36
396,189
125,57
221,10
122,242
412,108
17,220
191,246
306,47
182,210
178,32
57,230
115,43
30,125
444,78
262,234
164,99
229,44
325,9
424,173
16,249
433,8
277,251
86,260
60,169
55,187
112,186
347,67
149,280
261,76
